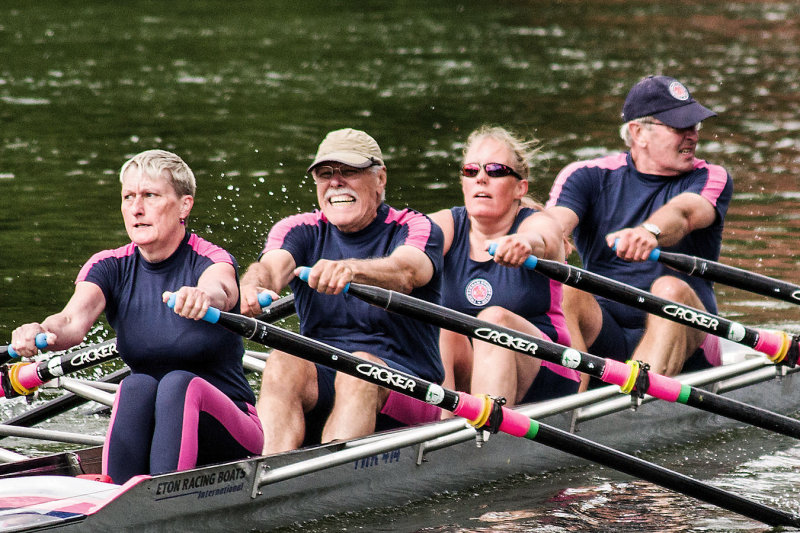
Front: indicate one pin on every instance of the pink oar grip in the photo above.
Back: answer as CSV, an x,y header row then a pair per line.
x,y
768,342
513,423
468,406
663,387
28,377
615,373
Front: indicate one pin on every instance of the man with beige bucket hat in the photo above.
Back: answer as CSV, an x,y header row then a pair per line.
x,y
354,236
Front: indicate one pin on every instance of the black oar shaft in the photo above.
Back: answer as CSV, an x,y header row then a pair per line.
x,y
732,276
661,387
30,376
640,299
421,389
278,309
479,329
578,446
735,410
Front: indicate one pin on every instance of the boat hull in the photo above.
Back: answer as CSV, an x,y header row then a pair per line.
x,y
384,470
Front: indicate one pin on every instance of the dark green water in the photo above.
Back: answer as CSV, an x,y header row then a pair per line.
x,y
244,91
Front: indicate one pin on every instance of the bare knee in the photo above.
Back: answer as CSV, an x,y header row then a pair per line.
x,y
287,376
579,304
358,388
674,289
496,315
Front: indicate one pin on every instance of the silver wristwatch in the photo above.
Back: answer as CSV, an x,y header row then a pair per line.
x,y
652,228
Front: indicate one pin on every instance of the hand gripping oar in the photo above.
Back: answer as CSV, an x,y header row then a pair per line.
x,y
631,377
23,378
7,353
728,275
779,347
489,414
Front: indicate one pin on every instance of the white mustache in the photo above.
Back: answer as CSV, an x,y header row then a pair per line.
x,y
338,191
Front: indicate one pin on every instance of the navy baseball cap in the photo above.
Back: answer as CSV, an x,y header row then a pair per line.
x,y
666,99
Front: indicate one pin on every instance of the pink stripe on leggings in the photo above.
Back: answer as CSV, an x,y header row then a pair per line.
x,y
202,396
104,463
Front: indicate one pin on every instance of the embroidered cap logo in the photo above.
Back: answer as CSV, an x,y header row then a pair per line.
x,y
678,91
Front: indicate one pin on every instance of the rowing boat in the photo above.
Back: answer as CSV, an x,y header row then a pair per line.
x,y
385,469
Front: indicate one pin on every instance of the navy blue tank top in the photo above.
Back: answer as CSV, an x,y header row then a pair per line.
x,y
470,286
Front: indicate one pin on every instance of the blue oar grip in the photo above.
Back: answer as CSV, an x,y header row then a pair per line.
x,y
529,263
41,343
654,254
264,299
306,271
212,314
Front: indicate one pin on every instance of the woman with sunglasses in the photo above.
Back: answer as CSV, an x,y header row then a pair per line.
x,y
494,180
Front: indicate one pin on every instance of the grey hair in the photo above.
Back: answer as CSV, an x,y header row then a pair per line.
x,y
157,162
625,130
376,172
523,151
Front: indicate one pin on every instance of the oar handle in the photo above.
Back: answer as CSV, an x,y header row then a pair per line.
x,y
23,378
212,314
655,253
41,343
530,262
306,271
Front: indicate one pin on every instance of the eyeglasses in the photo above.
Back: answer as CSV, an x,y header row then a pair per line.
x,y
326,173
679,131
493,170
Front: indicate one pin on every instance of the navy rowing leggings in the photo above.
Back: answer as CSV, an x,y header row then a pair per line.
x,y
175,423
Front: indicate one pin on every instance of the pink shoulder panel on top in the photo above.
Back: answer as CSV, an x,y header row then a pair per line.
x,y
122,251
283,227
419,226
715,184
611,162
206,249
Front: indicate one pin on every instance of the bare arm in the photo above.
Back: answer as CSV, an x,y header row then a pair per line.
x,y
565,217
676,219
444,219
216,287
65,328
540,234
403,270
271,273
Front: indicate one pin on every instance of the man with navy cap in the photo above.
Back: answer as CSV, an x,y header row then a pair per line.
x,y
353,237
620,207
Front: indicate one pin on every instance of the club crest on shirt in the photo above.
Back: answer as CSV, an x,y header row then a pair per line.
x,y
479,292
678,91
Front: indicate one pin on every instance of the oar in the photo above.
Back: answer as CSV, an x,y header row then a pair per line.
x,y
728,275
7,353
276,310
631,378
60,404
780,347
22,378
486,413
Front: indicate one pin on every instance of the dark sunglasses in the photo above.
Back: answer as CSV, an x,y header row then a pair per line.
x,y
493,170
